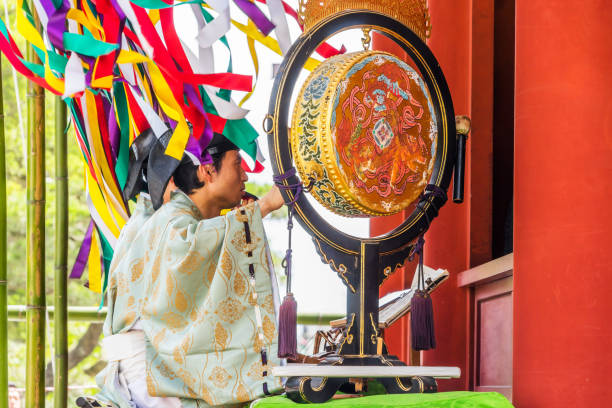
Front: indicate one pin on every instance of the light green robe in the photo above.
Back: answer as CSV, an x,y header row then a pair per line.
x,y
187,280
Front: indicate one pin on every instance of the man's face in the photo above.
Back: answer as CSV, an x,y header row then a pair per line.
x,y
227,184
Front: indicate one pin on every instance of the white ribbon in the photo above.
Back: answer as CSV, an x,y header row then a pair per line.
x,y
279,18
225,109
157,124
127,70
74,77
213,31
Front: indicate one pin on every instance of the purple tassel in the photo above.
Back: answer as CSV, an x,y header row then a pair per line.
x,y
287,328
421,321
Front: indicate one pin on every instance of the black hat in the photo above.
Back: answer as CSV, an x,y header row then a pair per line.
x,y
159,169
220,144
137,167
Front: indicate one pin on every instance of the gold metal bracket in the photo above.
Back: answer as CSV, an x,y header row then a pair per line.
x,y
367,39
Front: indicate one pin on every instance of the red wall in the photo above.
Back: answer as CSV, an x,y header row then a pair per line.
x,y
562,194
563,191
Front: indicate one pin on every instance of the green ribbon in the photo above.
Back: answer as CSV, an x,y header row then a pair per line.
x,y
123,157
85,45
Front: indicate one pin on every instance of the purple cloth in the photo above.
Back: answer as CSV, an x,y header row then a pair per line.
x,y
113,128
259,18
91,62
117,8
81,259
197,146
57,23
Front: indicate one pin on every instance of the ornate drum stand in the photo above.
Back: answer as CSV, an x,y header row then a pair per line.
x,y
362,263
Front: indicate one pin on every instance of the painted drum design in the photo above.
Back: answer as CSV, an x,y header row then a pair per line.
x,y
364,131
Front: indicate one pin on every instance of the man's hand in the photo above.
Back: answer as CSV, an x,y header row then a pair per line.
x,y
273,200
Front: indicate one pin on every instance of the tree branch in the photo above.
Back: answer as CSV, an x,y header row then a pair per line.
x,y
86,345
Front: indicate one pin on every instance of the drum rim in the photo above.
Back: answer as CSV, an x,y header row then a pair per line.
x,y
326,144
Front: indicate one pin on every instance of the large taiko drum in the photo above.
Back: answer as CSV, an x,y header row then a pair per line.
x,y
364,132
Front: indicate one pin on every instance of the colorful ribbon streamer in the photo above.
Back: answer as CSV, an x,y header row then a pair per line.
x,y
123,69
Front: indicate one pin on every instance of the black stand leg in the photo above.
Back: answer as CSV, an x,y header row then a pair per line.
x,y
312,390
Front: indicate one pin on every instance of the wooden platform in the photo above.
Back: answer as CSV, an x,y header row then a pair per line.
x,y
313,370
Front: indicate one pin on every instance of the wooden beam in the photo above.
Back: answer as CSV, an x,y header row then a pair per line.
x,y
496,269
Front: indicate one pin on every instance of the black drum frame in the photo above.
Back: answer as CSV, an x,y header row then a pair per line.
x,y
362,263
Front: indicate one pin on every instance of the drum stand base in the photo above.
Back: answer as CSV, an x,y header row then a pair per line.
x,y
308,389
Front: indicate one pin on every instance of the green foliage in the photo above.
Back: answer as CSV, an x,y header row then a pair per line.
x,y
16,225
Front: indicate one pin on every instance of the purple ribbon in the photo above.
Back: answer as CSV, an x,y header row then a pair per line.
x,y
57,23
91,62
81,259
278,180
256,15
118,9
197,146
113,128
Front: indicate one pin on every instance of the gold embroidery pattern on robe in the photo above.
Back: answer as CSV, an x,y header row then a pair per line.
x,y
174,321
252,298
230,310
256,370
205,395
269,329
136,269
190,263
226,264
151,383
181,350
181,302
257,342
122,285
190,383
240,284
221,338
242,394
268,304
239,241
166,371
130,315
159,337
169,284
219,377
209,274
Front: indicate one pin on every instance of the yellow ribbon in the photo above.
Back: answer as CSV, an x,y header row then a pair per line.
x,y
166,100
271,43
95,264
31,34
255,59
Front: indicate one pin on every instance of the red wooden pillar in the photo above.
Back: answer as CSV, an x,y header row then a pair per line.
x,y
562,222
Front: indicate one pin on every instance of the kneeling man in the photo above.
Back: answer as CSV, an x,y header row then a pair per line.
x,y
191,302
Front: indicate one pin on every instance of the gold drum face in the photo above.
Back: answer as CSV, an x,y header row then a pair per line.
x,y
364,131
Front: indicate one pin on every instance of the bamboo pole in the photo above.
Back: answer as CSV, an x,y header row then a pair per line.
x,y
60,394
93,314
35,238
3,272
